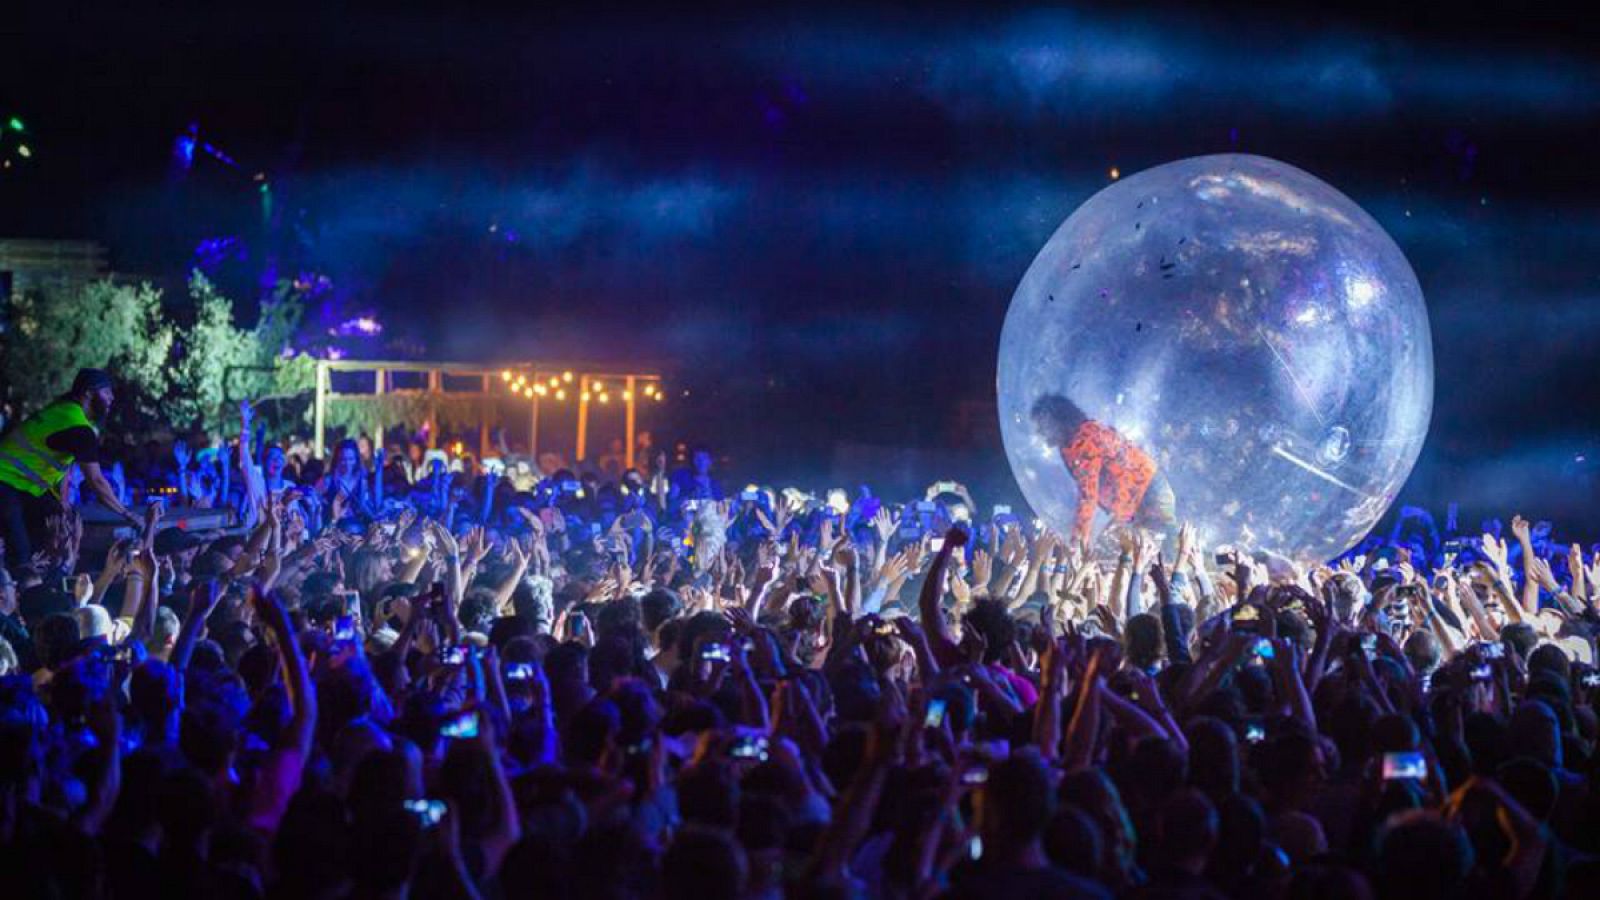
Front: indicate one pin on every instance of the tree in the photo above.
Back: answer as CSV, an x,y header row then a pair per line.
x,y
207,350
52,333
221,364
183,377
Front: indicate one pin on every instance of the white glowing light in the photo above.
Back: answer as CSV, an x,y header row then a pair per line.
x,y
1361,292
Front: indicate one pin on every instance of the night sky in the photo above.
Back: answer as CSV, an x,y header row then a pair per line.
x,y
816,219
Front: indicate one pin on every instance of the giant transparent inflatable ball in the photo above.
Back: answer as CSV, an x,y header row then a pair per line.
x,y
1224,340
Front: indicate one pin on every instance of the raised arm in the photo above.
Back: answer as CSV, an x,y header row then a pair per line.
x,y
202,601
452,555
508,585
933,624
1530,584
1052,693
280,776
1286,667
254,549
142,591
1083,732
506,827
105,723
1174,631
255,485
102,490
855,811
116,561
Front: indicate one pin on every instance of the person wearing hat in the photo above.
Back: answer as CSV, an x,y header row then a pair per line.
x,y
36,454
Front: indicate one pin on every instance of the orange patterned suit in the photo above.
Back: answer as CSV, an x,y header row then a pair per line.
x,y
1112,473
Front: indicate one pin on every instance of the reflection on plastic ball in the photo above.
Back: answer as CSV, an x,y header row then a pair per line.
x,y
1225,340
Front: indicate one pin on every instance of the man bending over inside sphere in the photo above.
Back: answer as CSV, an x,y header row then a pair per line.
x,y
1111,471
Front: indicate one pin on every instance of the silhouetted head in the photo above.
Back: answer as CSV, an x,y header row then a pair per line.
x,y
1016,804
1056,418
93,389
347,459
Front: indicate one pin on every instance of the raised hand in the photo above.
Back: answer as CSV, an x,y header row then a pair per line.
x,y
1127,541
1495,550
1186,538
117,557
1406,573
982,569
884,524
1107,621
478,540
269,611
203,599
535,524
1520,529
1539,571
1149,553
817,583
955,537
144,563
1013,548
1043,543
959,588
445,540
844,555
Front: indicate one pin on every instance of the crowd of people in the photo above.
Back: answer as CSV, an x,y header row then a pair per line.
x,y
439,677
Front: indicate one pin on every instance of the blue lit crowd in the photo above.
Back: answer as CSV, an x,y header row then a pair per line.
x,y
414,673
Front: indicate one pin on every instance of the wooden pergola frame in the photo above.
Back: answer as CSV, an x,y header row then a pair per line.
x,y
589,383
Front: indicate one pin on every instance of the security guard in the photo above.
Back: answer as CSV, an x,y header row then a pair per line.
x,y
35,457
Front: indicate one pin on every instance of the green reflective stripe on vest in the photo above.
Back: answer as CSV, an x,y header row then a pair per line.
x,y
10,465
45,454
27,462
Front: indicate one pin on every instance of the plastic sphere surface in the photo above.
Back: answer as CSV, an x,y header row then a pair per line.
x,y
1223,340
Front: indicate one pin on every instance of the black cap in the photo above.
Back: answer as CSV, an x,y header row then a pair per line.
x,y
170,541
42,601
90,380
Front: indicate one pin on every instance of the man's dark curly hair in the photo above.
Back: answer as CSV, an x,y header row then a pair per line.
x,y
990,618
1056,417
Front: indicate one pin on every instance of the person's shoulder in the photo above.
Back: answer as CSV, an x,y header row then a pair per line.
x,y
1095,433
976,882
1101,432
1057,882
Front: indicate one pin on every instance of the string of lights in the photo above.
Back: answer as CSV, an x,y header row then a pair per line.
x,y
533,384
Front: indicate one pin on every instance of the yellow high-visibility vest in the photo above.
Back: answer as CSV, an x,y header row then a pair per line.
x,y
27,462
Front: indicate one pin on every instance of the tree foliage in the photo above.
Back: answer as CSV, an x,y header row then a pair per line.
x,y
191,376
51,334
371,413
220,363
210,352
